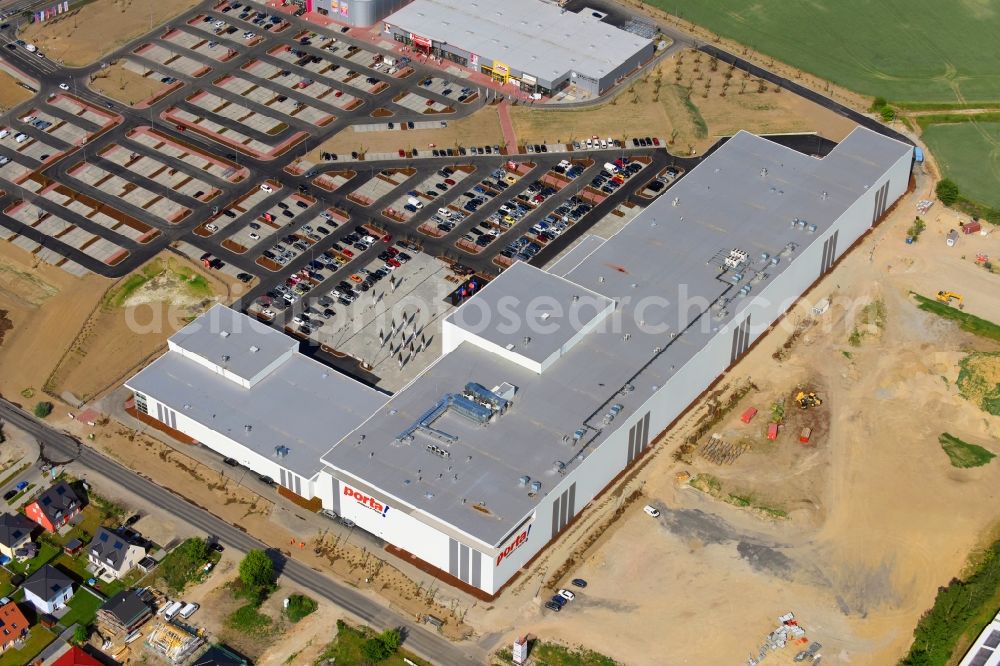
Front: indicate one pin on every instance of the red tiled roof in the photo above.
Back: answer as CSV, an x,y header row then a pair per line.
x,y
75,657
12,623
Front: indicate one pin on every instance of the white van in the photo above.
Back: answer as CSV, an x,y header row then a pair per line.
x,y
189,610
4,133
610,168
415,202
30,48
173,610
21,138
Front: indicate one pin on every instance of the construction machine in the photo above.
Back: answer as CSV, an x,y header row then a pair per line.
x,y
806,400
949,296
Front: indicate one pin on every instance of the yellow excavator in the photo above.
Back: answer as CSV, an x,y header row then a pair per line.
x,y
806,400
949,296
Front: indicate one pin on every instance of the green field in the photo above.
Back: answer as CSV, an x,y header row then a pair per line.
x,y
963,454
969,154
905,50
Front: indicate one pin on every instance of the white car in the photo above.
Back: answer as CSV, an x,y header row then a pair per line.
x,y
567,595
211,227
651,511
28,119
267,313
297,320
21,138
254,236
264,187
249,35
63,86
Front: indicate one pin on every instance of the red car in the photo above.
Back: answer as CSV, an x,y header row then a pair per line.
x,y
402,153
656,141
391,251
346,252
449,182
338,93
394,263
387,238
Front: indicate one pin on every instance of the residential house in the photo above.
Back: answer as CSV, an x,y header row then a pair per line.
x,y
55,507
220,655
48,589
68,655
13,625
15,533
124,613
112,555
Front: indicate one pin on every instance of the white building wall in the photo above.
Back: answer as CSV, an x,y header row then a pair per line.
x,y
452,336
231,449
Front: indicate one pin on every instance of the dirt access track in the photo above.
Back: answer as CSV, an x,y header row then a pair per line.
x,y
877,517
84,36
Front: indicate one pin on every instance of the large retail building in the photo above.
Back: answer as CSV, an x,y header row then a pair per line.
x,y
551,382
534,45
353,12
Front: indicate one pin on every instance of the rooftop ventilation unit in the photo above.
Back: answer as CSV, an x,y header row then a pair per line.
x,y
281,451
254,349
523,481
578,435
736,258
559,466
224,334
483,396
535,487
745,290
775,261
438,451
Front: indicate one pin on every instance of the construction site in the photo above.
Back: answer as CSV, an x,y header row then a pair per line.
x,y
810,477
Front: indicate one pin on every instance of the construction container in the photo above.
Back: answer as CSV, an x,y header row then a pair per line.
x,y
772,431
749,414
971,227
805,435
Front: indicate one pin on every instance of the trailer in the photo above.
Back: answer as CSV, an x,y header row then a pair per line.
x,y
748,414
805,435
772,431
972,227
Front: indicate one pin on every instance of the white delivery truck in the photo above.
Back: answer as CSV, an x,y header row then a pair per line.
x,y
30,48
173,610
189,610
610,168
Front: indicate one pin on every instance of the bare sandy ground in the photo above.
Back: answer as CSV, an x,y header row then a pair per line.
x,y
11,94
878,518
655,106
83,36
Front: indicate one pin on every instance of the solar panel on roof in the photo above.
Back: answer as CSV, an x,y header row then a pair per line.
x,y
981,657
104,536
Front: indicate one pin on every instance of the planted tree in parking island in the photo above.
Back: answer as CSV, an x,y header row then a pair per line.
x,y
947,191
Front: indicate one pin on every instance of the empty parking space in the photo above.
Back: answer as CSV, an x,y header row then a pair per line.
x,y
380,185
420,104
155,170
278,217
207,163
172,60
200,44
302,85
117,187
450,89
275,100
240,210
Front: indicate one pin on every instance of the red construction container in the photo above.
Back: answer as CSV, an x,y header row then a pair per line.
x,y
772,431
805,435
971,227
749,414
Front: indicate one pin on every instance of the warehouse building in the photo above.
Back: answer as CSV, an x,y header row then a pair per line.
x,y
361,13
550,382
533,45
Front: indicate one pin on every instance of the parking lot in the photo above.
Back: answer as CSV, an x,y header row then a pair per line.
x,y
211,164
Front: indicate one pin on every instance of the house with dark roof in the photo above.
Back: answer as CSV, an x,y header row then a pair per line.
x,y
48,589
55,507
220,655
13,625
15,533
124,613
112,556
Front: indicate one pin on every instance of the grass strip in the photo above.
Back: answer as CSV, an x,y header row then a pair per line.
x,y
967,322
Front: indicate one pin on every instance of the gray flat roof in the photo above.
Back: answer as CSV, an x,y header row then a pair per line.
x,y
534,37
228,338
524,298
564,264
669,252
302,404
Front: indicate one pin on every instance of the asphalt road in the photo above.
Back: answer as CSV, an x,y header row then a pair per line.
x,y
60,446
